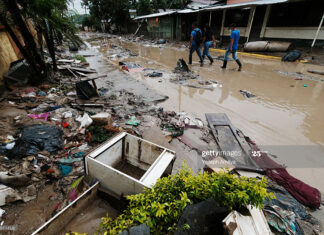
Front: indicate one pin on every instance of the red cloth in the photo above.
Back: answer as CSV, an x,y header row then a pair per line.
x,y
304,193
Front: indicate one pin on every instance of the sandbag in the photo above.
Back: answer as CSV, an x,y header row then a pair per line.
x,y
271,46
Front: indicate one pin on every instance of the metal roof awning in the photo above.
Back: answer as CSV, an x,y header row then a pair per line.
x,y
187,11
214,8
245,4
155,15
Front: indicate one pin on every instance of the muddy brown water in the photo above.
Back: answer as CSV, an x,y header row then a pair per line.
x,y
285,117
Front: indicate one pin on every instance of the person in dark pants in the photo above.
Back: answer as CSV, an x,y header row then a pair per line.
x,y
195,41
209,41
232,48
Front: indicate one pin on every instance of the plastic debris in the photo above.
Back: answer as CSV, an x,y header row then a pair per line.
x,y
43,116
85,121
36,138
133,121
247,94
161,41
292,56
64,169
154,74
69,160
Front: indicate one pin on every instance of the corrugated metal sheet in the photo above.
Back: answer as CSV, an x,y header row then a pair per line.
x,y
245,4
215,8
155,15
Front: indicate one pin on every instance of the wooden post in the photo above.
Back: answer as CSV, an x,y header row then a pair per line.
x,y
210,18
318,30
223,22
265,21
249,26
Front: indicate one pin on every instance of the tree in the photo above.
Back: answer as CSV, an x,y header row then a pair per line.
x,y
143,7
109,10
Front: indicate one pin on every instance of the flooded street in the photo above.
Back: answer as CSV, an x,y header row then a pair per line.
x,y
286,116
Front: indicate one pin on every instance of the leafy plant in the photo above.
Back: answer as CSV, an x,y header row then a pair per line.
x,y
80,57
161,207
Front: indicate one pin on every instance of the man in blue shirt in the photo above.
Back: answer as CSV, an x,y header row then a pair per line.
x,y
232,48
195,41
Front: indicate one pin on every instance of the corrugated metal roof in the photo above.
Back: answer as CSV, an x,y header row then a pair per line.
x,y
186,11
246,4
155,15
215,8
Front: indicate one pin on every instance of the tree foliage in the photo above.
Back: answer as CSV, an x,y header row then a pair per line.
x,y
108,10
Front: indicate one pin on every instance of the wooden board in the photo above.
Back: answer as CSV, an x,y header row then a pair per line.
x,y
230,143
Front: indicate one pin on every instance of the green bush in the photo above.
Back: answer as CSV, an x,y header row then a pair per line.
x,y
80,57
161,207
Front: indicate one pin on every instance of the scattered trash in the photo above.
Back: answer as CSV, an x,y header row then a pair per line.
x,y
18,74
130,67
64,169
133,121
36,138
69,160
65,124
247,94
181,66
305,85
103,119
16,181
85,90
303,192
42,93
154,74
161,41
254,224
198,218
43,116
73,47
292,56
85,120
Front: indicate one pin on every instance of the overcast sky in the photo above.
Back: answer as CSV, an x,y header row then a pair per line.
x,y
76,5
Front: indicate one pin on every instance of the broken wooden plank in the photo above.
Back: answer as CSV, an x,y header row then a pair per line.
x,y
233,148
254,224
316,72
83,70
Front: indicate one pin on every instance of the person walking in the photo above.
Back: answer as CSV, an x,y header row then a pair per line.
x,y
195,41
232,48
209,41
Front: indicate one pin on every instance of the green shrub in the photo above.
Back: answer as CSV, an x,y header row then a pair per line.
x,y
81,58
161,207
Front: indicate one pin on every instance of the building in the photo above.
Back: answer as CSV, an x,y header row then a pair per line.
x,y
292,20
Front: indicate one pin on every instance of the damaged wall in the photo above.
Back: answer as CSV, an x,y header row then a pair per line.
x,y
161,27
7,52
